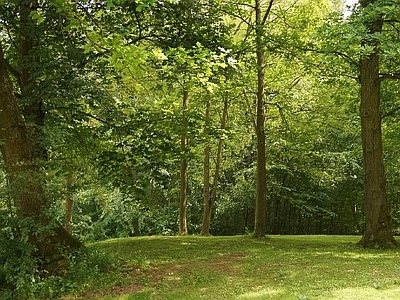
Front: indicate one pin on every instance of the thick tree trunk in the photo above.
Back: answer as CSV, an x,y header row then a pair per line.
x,y
184,173
24,175
17,151
378,230
32,109
261,205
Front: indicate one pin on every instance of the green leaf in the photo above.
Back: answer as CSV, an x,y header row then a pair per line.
x,y
87,47
36,16
110,4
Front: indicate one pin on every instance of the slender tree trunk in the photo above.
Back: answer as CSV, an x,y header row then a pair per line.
x,y
24,175
184,172
210,199
205,229
261,205
378,230
218,162
69,204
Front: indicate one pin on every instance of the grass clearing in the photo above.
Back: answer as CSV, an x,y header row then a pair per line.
x,y
278,267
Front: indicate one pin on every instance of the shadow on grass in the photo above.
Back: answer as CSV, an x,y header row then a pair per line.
x,y
280,267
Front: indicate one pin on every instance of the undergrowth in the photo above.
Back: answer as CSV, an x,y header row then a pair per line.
x,y
20,277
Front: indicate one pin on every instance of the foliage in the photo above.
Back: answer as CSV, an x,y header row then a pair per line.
x,y
110,75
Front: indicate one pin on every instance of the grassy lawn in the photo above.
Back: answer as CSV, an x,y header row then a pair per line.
x,y
279,267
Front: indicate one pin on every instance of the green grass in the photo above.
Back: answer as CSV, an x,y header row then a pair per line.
x,y
279,267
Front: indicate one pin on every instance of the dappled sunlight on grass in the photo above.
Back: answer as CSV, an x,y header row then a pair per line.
x,y
263,293
240,267
369,255
364,293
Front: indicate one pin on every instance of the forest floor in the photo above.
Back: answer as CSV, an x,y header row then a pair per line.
x,y
240,267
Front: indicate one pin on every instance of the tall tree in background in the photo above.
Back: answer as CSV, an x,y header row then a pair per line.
x,y
184,167
261,204
210,195
205,229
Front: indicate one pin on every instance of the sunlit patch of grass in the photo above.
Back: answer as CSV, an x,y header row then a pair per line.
x,y
365,293
262,293
279,267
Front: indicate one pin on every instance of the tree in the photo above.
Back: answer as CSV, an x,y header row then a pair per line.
x,y
261,205
378,229
210,195
274,32
25,178
205,229
183,169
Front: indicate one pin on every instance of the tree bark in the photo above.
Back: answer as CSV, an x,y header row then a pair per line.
x,y
24,175
184,173
33,105
261,205
17,150
378,230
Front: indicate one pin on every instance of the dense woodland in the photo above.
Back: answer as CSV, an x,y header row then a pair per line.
x,y
122,118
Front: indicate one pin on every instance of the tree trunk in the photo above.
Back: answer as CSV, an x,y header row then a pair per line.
x,y
17,151
210,200
184,174
32,109
24,175
261,205
69,204
205,229
378,230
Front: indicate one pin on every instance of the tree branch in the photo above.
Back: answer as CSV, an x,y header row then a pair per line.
x,y
238,16
390,113
271,2
343,55
13,71
392,76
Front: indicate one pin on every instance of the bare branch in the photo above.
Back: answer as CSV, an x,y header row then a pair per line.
x,y
271,2
240,17
242,4
392,76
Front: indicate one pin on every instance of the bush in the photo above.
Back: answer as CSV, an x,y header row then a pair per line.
x,y
21,274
